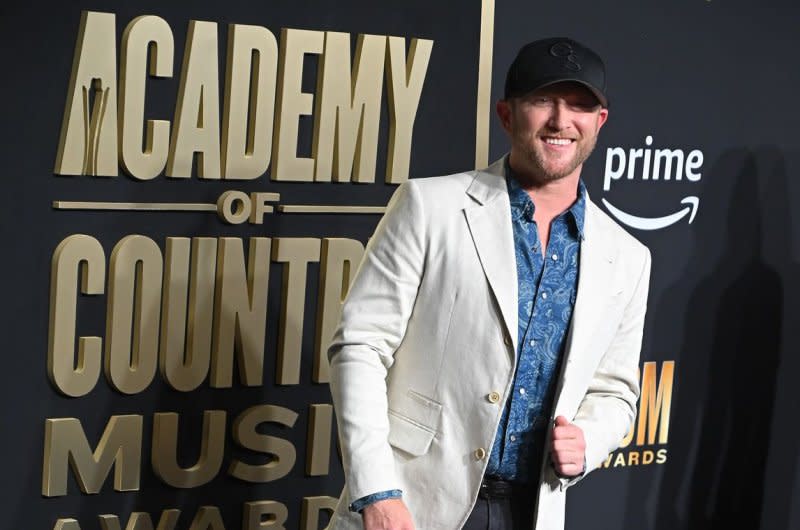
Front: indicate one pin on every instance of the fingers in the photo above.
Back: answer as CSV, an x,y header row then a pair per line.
x,y
564,430
568,469
567,448
567,457
569,445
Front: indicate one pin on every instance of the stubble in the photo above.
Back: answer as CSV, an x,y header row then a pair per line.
x,y
547,167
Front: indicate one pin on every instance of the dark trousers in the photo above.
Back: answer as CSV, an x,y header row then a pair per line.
x,y
502,506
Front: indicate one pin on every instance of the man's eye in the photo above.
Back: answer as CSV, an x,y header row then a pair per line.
x,y
584,106
542,100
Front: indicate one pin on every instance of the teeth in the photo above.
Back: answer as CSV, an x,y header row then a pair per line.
x,y
558,141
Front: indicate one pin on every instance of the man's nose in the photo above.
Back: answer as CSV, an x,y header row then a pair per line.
x,y
558,116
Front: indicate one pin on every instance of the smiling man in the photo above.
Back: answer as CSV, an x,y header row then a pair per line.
x,y
488,350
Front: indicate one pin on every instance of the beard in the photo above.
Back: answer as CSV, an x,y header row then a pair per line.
x,y
548,167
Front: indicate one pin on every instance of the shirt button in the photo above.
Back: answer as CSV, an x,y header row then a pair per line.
x,y
493,397
522,391
532,342
480,453
544,295
555,257
512,438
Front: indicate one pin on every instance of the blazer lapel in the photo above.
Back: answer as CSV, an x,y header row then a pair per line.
x,y
598,254
490,225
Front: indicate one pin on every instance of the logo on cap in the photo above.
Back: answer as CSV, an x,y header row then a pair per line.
x,y
563,50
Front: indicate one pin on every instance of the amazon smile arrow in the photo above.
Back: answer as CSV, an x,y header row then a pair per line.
x,y
655,223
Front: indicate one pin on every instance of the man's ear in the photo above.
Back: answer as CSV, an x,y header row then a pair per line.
x,y
602,118
503,108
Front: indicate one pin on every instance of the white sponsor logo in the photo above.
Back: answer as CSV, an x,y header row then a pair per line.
x,y
653,165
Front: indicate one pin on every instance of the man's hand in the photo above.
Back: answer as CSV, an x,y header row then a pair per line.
x,y
568,448
388,514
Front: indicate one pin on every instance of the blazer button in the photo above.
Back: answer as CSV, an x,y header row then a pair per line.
x,y
493,397
480,453
507,340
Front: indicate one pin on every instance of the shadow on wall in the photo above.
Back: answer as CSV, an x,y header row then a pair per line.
x,y
734,341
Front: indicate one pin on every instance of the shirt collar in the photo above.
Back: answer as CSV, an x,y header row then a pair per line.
x,y
522,206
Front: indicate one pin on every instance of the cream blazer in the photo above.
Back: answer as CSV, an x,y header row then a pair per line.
x,y
427,344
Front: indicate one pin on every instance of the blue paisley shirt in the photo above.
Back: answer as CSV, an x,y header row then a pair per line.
x,y
547,285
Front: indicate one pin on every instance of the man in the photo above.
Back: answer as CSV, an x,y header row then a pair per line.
x,y
488,350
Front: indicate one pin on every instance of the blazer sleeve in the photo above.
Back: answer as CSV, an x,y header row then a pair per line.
x,y
374,318
609,406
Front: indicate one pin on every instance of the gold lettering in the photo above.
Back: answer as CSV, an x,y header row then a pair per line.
x,y
338,265
137,521
168,520
633,458
65,445
141,521
258,203
282,452
261,515
187,372
404,84
165,450
196,121
626,441
77,255
661,456
619,460
233,207
240,319
309,517
88,141
250,81
318,445
297,253
655,403
291,103
348,108
647,457
207,518
67,524
111,522
142,34
134,305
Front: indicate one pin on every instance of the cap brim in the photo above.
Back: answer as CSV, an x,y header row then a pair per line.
x,y
601,98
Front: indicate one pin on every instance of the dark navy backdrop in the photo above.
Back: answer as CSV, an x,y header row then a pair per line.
x,y
718,77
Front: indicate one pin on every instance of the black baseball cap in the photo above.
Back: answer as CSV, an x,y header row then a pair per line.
x,y
548,61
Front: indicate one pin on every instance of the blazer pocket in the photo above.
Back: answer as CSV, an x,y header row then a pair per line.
x,y
413,421
408,436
